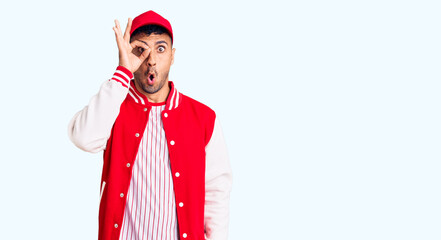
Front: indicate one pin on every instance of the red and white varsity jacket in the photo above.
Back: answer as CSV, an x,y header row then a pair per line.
x,y
114,122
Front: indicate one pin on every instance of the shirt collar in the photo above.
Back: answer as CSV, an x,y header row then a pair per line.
x,y
172,102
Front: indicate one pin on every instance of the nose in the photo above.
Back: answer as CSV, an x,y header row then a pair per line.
x,y
151,59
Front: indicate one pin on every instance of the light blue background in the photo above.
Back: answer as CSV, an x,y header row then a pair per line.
x,y
330,109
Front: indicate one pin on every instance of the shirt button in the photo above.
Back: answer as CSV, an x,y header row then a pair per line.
x,y
128,164
184,235
121,194
145,109
181,204
177,174
116,225
165,115
172,142
137,134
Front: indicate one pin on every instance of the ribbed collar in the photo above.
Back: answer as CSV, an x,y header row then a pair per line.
x,y
172,102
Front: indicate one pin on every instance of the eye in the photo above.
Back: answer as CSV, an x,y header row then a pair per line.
x,y
161,49
140,49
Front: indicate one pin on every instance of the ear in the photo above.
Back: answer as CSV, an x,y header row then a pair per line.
x,y
173,56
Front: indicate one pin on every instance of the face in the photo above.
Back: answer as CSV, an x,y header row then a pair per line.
x,y
152,75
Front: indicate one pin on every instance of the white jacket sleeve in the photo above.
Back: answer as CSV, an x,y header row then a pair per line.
x,y
218,183
90,128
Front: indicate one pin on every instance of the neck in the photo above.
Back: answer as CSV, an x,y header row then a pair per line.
x,y
157,97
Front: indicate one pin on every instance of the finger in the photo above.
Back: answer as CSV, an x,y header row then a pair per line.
x,y
118,27
145,54
128,28
118,38
139,44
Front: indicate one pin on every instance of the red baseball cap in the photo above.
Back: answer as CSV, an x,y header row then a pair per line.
x,y
151,17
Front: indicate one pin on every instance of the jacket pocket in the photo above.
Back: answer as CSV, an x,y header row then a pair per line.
x,y
102,189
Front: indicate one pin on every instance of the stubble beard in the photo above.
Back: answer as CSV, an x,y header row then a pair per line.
x,y
156,87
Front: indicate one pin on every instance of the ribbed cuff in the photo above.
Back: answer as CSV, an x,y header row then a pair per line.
x,y
123,76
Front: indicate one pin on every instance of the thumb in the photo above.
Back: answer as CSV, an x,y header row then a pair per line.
x,y
145,54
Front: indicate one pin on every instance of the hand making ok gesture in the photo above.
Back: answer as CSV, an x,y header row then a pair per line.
x,y
131,55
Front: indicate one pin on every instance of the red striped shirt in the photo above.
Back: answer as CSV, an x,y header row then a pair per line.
x,y
150,211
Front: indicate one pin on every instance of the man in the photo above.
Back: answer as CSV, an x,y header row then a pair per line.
x,y
166,173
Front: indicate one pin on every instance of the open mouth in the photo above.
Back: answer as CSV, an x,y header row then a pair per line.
x,y
151,78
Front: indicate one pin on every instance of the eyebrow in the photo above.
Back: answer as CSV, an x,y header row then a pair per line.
x,y
158,42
